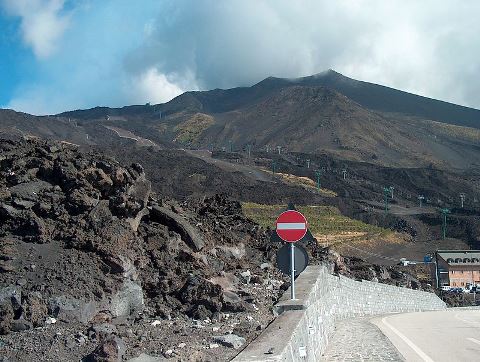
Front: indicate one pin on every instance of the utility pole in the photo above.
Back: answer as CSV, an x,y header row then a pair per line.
x,y
274,166
230,144
462,198
444,224
344,174
249,149
420,199
391,191
308,163
386,191
318,173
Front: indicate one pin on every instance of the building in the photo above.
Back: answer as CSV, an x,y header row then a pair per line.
x,y
458,268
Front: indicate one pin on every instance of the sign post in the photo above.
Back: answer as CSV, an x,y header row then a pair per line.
x,y
291,226
292,270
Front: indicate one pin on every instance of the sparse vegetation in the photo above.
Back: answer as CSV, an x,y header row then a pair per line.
x,y
161,128
191,129
465,133
302,181
322,220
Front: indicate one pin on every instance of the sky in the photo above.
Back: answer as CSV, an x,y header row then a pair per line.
x,y
58,55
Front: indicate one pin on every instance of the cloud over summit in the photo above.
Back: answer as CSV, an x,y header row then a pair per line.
x,y
115,53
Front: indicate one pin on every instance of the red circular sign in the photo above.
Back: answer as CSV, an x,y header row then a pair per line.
x,y
291,226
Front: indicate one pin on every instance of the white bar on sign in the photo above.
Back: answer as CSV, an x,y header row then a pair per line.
x,y
291,226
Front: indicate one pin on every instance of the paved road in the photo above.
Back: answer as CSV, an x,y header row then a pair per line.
x,y
249,171
396,209
449,336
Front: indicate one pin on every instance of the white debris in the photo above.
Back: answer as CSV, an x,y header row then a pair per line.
x,y
50,320
246,276
198,325
230,340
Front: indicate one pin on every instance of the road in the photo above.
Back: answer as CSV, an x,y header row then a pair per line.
x,y
400,210
449,336
249,171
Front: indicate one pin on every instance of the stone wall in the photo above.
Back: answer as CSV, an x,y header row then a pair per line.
x,y
303,327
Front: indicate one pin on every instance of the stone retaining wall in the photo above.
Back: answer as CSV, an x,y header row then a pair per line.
x,y
303,327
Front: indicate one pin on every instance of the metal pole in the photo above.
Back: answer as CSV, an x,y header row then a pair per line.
x,y
292,265
436,269
386,201
444,225
385,196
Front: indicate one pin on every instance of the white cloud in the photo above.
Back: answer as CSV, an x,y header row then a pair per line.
x,y
42,23
151,86
115,53
426,47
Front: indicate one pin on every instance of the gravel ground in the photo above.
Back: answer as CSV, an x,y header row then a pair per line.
x,y
359,340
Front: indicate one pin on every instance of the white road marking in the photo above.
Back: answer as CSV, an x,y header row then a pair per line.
x,y
473,340
291,225
472,323
412,345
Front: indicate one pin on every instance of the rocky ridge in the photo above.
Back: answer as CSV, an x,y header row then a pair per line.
x,y
94,266
93,259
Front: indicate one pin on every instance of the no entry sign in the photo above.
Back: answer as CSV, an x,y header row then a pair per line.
x,y
291,226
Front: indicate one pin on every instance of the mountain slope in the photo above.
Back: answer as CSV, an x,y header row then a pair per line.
x,y
386,99
18,124
317,119
372,96
326,112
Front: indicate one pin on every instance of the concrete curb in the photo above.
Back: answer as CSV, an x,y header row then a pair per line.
x,y
304,326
